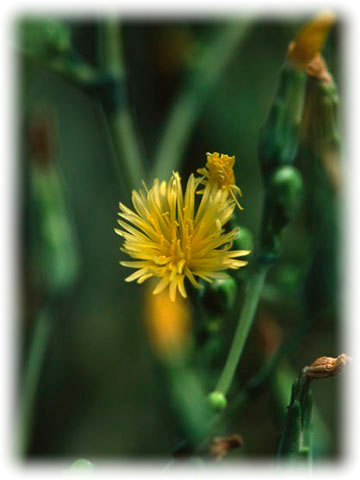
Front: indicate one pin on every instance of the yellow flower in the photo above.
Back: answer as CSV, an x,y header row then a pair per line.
x,y
172,239
168,324
219,172
310,40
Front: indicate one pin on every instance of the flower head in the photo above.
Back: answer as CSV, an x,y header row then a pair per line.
x,y
169,238
219,172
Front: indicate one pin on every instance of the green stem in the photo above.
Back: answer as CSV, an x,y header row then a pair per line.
x,y
281,385
121,127
188,395
70,66
120,120
245,321
37,350
208,68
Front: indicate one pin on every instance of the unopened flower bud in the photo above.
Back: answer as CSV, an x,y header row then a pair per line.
x,y
217,401
282,201
219,296
310,40
285,192
324,367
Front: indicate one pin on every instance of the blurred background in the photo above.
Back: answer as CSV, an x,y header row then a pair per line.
x,y
102,391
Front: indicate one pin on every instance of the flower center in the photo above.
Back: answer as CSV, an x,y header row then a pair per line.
x,y
177,250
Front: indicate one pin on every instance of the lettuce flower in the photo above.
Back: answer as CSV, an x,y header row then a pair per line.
x,y
169,238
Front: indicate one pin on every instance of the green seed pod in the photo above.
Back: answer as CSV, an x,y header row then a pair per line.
x,y
219,296
217,401
285,193
283,196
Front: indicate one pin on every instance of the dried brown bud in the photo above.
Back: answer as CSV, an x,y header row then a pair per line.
x,y
324,367
221,446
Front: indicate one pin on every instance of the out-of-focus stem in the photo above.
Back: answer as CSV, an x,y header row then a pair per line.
x,y
70,66
32,373
120,121
188,103
268,369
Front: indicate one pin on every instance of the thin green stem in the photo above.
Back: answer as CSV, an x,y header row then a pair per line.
x,y
208,68
70,66
281,386
245,321
32,373
119,117
126,146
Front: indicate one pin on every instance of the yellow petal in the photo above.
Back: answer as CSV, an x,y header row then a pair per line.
x,y
161,286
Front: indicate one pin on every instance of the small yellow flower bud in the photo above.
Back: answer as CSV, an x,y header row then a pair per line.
x,y
219,171
324,367
310,40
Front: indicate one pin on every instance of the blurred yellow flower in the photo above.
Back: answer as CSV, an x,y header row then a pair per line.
x,y
168,324
219,172
173,240
310,40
